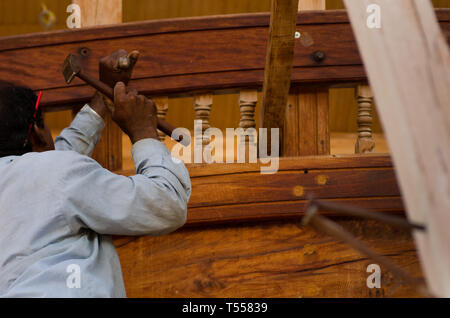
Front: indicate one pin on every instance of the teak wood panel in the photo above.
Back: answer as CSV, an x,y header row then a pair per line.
x,y
184,55
238,192
264,260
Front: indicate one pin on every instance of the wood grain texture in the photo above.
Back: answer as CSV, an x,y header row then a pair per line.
x,y
18,17
263,260
413,101
238,192
278,66
307,123
307,113
232,54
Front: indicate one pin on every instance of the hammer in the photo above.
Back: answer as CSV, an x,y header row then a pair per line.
x,y
72,68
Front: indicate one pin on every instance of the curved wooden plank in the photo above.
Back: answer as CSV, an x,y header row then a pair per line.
x,y
218,53
264,260
238,192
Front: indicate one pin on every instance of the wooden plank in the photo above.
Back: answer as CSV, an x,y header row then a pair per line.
x,y
241,193
412,98
294,185
282,210
306,164
278,69
264,260
162,71
291,128
99,12
306,115
164,26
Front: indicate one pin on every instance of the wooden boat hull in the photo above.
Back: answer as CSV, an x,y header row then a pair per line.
x,y
243,239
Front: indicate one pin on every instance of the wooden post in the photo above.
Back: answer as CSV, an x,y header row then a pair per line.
x,y
278,69
410,79
365,142
97,12
306,129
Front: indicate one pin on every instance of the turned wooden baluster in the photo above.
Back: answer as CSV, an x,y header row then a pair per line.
x,y
247,104
162,106
365,142
202,106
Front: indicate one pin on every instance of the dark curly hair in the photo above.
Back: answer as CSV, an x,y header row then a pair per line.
x,y
17,107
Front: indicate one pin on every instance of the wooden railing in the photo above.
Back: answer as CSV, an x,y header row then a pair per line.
x,y
204,56
196,55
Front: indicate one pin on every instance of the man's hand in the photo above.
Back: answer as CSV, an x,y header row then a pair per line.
x,y
117,67
98,104
135,114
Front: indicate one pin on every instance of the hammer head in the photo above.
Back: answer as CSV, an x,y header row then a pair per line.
x,y
71,67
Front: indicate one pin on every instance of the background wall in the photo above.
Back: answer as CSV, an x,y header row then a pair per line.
x,y
22,16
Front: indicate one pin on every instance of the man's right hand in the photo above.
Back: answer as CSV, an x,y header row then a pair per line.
x,y
135,114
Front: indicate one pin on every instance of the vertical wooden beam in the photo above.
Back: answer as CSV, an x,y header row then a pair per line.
x,y
278,69
410,79
306,129
98,12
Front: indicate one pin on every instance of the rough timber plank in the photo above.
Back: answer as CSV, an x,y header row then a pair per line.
x,y
410,78
278,69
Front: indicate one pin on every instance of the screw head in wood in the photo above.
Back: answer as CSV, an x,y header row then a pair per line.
x,y
319,56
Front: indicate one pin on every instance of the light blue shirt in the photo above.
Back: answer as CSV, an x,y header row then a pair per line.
x,y
59,208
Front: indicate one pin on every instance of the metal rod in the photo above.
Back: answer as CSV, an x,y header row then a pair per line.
x,y
333,229
367,214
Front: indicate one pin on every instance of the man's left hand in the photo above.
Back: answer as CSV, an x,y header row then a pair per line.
x,y
117,67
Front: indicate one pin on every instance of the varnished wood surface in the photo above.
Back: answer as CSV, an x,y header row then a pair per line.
x,y
232,54
239,192
264,260
19,17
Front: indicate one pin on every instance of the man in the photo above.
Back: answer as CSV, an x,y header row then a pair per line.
x,y
58,207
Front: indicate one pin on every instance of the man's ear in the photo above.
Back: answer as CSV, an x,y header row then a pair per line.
x,y
41,139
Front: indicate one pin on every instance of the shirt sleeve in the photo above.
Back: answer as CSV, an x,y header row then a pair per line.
x,y
152,202
83,133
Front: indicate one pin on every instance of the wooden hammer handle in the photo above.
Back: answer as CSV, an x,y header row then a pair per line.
x,y
106,90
